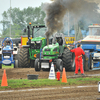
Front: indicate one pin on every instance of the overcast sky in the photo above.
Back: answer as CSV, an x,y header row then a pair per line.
x,y
5,5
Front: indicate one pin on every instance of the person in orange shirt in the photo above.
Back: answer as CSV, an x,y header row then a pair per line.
x,y
78,58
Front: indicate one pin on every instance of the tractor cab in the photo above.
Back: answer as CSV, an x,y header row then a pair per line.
x,y
59,38
94,30
93,37
8,42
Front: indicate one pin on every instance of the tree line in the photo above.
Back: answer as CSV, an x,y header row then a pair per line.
x,y
20,19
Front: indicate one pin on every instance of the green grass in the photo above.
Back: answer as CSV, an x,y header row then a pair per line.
x,y
5,67
25,83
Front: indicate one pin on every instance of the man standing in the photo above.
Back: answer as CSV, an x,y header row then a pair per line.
x,y
78,58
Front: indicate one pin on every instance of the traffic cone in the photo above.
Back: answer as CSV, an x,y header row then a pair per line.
x,y
64,79
52,72
4,79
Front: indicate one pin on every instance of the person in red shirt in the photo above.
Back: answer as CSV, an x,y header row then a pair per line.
x,y
78,59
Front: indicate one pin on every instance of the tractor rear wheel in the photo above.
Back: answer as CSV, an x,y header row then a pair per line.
x,y
68,59
59,65
37,65
24,61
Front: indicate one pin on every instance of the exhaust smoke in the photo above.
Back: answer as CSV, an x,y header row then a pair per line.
x,y
57,10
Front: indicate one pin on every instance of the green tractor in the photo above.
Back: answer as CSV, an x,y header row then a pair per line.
x,y
56,53
28,53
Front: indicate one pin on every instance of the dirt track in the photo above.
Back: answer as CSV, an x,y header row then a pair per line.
x,y
55,94
58,93
21,73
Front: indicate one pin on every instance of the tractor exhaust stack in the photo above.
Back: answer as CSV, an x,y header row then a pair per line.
x,y
33,32
47,40
29,40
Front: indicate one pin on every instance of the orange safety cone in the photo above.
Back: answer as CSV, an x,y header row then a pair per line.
x,y
64,79
4,79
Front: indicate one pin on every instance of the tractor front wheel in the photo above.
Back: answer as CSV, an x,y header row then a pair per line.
x,y
59,65
16,64
37,65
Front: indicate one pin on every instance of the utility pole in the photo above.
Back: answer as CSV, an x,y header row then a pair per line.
x,y
10,18
75,28
68,22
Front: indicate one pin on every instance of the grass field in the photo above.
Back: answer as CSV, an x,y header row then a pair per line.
x,y
25,83
5,67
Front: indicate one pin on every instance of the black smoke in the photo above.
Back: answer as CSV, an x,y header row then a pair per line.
x,y
78,9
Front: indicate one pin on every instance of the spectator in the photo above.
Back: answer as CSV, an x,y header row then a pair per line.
x,y
78,59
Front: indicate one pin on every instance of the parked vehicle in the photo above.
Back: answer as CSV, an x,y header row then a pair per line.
x,y
32,48
8,53
91,46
